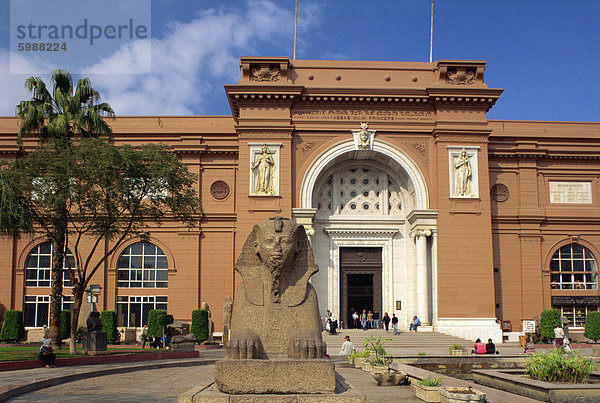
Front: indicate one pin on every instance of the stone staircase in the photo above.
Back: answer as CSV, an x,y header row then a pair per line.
x,y
404,342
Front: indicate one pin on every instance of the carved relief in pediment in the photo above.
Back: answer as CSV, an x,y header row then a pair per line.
x,y
264,72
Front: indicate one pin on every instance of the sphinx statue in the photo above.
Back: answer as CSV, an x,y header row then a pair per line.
x,y
275,311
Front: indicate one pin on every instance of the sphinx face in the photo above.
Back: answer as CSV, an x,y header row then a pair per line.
x,y
276,251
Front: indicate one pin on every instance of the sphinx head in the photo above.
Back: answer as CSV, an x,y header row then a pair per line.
x,y
278,248
276,244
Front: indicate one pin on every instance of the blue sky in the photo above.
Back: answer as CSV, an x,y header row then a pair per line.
x,y
544,53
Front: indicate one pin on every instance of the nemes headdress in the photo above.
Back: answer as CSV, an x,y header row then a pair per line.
x,y
294,280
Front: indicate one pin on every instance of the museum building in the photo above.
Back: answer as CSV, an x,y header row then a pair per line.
x,y
414,202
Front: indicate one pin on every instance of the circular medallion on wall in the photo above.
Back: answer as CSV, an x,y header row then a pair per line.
x,y
219,190
360,256
499,192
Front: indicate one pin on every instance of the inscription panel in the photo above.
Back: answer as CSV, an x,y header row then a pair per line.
x,y
369,115
570,192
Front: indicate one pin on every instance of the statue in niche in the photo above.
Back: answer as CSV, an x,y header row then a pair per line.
x,y
363,137
263,169
275,311
463,175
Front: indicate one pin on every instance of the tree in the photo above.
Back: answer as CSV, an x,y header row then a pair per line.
x,y
548,321
110,194
592,326
57,119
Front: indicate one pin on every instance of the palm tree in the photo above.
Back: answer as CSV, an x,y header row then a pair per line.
x,y
57,119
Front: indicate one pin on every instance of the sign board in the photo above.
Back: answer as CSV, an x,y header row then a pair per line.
x,y
529,326
576,300
398,305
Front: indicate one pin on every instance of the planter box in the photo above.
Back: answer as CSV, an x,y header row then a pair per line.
x,y
427,393
379,370
358,362
366,366
457,352
456,395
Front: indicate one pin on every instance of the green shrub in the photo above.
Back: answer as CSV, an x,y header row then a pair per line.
x,y
559,366
157,322
592,326
431,382
548,321
65,324
200,324
360,354
456,347
13,330
109,325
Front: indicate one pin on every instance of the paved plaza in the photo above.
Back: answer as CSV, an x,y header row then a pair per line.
x,y
165,380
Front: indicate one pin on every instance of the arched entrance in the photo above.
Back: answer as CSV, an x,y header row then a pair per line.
x,y
375,200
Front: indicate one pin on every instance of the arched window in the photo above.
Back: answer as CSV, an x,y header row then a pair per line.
x,y
142,265
573,268
38,266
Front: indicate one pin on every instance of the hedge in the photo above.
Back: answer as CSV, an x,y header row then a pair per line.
x,y
109,325
65,324
157,321
548,321
592,326
200,324
13,330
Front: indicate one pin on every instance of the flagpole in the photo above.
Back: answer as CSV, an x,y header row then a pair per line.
x,y
430,37
295,29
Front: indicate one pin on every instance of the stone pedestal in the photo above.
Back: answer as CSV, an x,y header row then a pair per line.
x,y
94,343
208,393
287,376
185,346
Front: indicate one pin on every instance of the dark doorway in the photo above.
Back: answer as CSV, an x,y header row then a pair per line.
x,y
360,282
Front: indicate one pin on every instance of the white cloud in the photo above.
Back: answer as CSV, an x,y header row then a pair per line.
x,y
13,85
190,62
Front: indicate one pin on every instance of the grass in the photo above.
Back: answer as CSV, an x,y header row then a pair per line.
x,y
431,382
559,367
29,352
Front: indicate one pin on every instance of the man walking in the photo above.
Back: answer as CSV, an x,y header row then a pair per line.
x,y
395,323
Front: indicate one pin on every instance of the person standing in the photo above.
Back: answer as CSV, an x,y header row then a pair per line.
x,y
355,320
395,323
559,336
370,320
347,346
363,319
376,320
144,336
332,323
386,322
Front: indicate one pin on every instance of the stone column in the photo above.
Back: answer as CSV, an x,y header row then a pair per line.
x,y
422,277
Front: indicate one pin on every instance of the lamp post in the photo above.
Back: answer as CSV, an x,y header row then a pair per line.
x,y
92,292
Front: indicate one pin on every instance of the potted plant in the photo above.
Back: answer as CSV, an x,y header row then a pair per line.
x,y
456,349
360,358
385,375
428,389
461,394
376,354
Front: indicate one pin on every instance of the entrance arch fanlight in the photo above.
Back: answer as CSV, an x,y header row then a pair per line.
x,y
346,148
